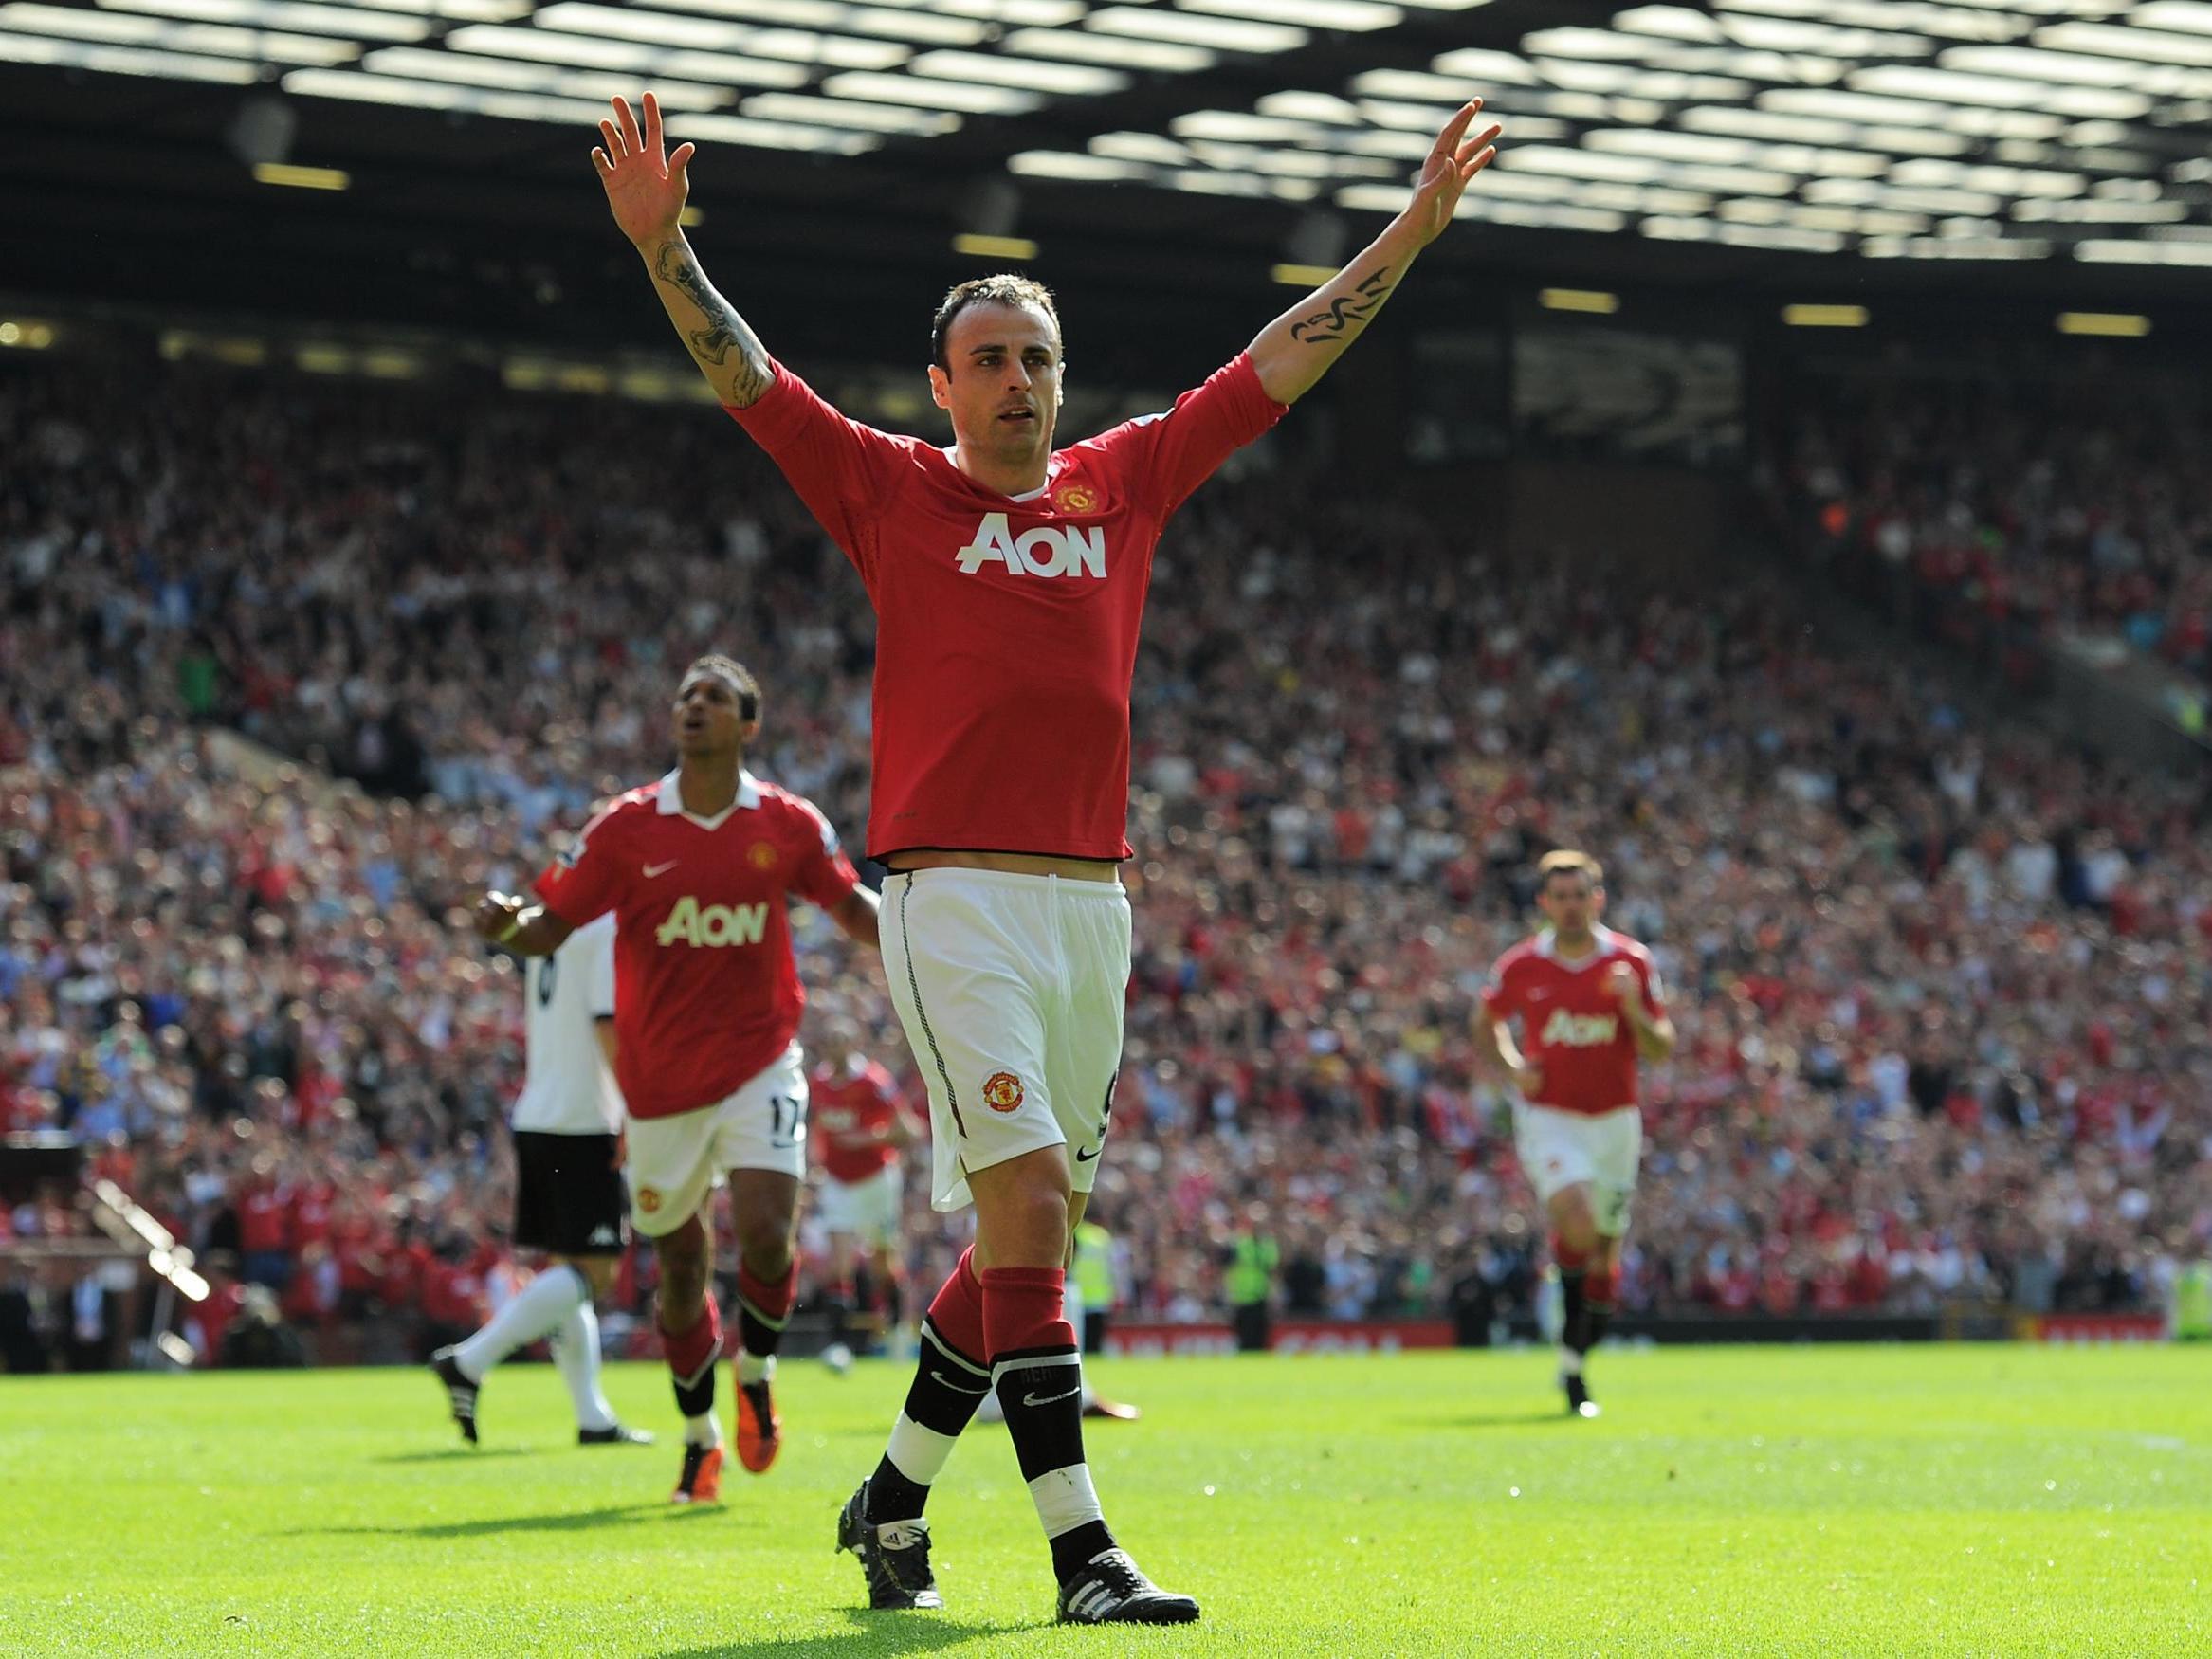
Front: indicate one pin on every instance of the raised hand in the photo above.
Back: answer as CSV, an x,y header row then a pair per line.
x,y
645,189
1452,162
1621,983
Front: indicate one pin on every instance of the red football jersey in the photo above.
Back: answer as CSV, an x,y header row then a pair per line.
x,y
1571,1029
707,990
847,1111
1006,628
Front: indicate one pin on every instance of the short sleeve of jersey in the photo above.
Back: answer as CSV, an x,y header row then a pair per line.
x,y
824,874
1497,993
1655,994
1168,455
839,468
584,883
599,987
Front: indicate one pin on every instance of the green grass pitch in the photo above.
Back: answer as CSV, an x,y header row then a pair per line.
x,y
1816,1501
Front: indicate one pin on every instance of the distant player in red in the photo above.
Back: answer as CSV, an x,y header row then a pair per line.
x,y
861,1126
697,869
1009,581
1589,1006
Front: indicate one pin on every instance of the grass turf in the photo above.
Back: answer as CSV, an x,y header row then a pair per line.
x,y
1840,1502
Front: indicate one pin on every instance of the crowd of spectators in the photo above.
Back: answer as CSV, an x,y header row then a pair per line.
x,y
2013,499
1945,988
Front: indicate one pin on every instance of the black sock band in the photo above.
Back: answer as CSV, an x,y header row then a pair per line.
x,y
697,1398
948,1385
1574,1330
892,1497
1074,1550
1042,1393
755,1333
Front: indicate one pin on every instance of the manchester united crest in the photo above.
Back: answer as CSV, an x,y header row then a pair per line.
x,y
1002,1093
1075,498
763,855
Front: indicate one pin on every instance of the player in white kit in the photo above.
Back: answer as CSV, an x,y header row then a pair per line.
x,y
569,1202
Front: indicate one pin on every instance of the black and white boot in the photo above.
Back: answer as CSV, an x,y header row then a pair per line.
x,y
1580,1404
460,1392
1109,1590
894,1555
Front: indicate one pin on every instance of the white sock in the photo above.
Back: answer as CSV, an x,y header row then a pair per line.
x,y
701,1431
532,1312
756,1367
575,1351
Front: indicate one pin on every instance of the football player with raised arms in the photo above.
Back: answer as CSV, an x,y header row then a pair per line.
x,y
697,869
1009,579
1589,1006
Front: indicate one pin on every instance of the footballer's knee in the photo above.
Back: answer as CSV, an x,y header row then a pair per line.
x,y
1574,1222
766,1246
1022,1211
687,1261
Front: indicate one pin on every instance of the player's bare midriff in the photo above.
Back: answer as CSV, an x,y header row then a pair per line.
x,y
1012,863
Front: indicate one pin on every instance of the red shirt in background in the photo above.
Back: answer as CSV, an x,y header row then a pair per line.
x,y
1571,1028
851,1113
706,989
264,1219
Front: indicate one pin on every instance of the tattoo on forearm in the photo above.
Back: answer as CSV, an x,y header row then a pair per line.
x,y
1329,326
725,329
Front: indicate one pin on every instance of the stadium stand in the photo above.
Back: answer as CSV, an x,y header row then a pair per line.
x,y
1939,976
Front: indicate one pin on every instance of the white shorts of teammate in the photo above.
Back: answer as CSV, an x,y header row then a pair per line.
x,y
1561,1149
867,1208
1011,990
674,1162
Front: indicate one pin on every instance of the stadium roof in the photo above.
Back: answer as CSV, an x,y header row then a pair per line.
x,y
173,148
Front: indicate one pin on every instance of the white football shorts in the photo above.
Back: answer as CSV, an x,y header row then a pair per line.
x,y
867,1208
1561,1149
1010,989
674,1162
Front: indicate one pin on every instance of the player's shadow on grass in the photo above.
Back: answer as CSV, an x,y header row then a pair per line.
x,y
452,1455
566,1520
1542,1419
871,1632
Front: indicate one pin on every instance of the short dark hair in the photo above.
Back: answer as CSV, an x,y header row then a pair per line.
x,y
1006,288
729,669
1567,862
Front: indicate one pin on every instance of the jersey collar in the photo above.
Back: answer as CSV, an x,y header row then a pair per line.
x,y
1051,474
670,800
1603,943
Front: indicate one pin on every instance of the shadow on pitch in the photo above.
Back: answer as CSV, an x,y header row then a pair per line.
x,y
566,1520
1538,1419
453,1454
871,1632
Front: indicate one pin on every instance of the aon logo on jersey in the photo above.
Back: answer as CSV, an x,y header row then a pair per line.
x,y
1580,1031
690,923
1046,551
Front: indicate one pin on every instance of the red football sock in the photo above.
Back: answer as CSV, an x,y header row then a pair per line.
x,y
764,1309
1569,1259
1599,1286
955,1313
693,1352
1022,1311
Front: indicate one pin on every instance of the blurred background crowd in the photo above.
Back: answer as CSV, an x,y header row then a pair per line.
x,y
289,671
